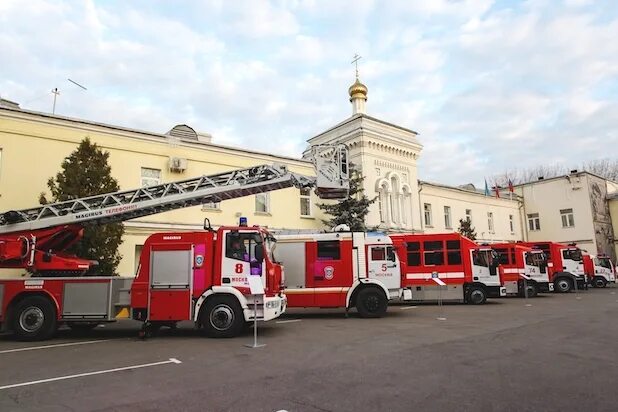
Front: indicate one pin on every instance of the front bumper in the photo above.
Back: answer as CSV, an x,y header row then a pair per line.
x,y
496,291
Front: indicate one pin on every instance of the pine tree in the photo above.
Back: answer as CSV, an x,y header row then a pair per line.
x,y
466,229
86,173
352,210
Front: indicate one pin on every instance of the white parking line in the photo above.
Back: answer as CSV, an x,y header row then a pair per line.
x,y
58,345
408,307
289,321
81,375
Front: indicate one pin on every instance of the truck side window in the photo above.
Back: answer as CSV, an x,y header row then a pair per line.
x,y
503,256
479,258
390,254
414,253
329,250
434,252
240,246
453,252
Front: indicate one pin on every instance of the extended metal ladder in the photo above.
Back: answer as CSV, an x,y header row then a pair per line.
x,y
130,204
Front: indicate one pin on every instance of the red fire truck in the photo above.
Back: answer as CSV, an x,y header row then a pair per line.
x,y
198,276
469,271
523,269
565,265
600,270
340,270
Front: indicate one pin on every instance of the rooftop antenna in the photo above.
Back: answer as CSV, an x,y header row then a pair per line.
x,y
77,84
56,92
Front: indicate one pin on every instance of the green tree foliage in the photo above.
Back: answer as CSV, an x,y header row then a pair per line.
x,y
466,229
86,172
352,210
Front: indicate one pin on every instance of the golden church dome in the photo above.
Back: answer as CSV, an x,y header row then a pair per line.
x,y
358,90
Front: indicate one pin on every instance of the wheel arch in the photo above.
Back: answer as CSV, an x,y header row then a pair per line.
x,y
27,294
358,285
218,291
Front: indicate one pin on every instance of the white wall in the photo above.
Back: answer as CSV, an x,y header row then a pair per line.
x,y
439,196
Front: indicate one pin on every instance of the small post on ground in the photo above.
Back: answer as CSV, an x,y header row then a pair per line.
x,y
577,297
526,291
436,278
257,289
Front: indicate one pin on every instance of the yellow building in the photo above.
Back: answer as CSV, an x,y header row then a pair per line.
x,y
33,146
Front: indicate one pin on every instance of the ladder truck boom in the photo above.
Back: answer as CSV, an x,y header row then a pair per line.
x,y
35,238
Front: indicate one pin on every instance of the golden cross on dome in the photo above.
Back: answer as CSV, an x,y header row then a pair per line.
x,y
355,61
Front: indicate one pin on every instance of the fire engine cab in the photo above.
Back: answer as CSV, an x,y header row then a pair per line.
x,y
469,272
523,269
340,270
600,270
565,264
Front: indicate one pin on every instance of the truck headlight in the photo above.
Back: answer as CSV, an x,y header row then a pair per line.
x,y
273,304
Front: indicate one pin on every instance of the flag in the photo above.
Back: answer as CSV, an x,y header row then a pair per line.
x,y
497,189
511,188
486,188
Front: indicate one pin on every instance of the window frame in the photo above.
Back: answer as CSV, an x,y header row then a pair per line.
x,y
427,215
535,219
157,180
266,203
307,198
448,220
567,218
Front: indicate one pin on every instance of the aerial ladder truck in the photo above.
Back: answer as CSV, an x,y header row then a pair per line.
x,y
198,276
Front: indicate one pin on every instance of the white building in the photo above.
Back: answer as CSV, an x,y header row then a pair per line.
x,y
570,209
387,154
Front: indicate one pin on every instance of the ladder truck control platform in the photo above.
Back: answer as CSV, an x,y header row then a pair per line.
x,y
200,276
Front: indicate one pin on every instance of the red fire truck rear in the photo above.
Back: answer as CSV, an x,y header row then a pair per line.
x,y
565,265
523,269
600,270
469,271
340,270
199,276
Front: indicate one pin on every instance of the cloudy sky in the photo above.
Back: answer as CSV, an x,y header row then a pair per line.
x,y
489,85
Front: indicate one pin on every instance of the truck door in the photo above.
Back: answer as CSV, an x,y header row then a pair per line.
x,y
171,274
384,266
485,267
572,261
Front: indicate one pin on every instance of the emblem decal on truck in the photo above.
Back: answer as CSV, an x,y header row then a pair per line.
x,y
329,271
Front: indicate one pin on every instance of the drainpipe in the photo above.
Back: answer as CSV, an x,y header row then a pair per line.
x,y
420,209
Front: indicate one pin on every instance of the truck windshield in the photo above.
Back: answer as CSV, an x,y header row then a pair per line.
x,y
572,254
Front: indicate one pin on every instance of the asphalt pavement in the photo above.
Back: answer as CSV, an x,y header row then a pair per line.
x,y
559,354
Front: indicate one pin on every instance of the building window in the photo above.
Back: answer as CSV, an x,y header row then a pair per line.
x,y
511,223
469,215
211,206
427,209
567,217
305,202
534,222
262,203
490,222
447,217
151,177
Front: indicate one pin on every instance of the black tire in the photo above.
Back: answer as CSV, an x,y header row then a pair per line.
x,y
34,318
563,285
82,326
222,317
371,303
599,282
476,295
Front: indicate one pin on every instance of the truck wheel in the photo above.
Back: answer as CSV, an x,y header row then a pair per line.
x,y
476,295
34,318
371,303
600,282
563,285
222,317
